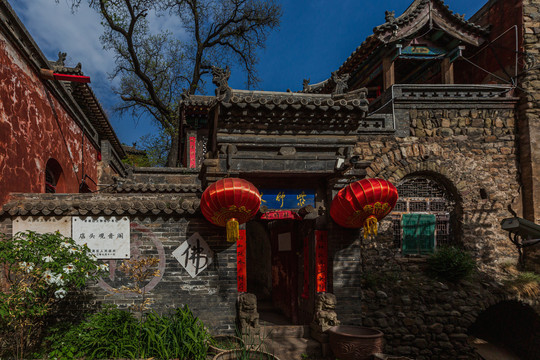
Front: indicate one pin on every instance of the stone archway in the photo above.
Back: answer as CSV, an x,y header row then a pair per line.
x,y
511,324
483,193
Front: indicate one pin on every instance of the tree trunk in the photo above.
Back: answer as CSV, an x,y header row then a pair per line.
x,y
173,159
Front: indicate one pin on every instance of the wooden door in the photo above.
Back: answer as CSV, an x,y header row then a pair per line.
x,y
285,249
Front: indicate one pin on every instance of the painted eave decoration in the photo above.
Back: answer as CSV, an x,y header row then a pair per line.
x,y
229,202
364,203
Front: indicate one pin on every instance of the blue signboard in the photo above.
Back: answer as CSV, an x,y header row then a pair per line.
x,y
287,199
422,50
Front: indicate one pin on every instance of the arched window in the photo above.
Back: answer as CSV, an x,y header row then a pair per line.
x,y
422,216
53,177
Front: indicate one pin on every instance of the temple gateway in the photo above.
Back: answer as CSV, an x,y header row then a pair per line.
x,y
437,105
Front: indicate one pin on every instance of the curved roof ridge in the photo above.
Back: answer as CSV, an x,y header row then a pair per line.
x,y
416,8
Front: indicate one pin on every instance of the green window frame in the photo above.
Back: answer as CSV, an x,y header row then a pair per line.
x,y
418,233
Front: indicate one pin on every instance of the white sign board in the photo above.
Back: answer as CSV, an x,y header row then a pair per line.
x,y
284,242
194,255
106,236
43,224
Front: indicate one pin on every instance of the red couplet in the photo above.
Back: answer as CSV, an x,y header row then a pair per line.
x,y
321,258
241,271
192,151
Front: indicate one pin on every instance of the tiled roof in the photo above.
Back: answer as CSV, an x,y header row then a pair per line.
x,y
270,100
157,188
99,204
416,9
87,100
380,36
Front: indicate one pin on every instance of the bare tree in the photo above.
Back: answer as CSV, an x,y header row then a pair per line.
x,y
155,69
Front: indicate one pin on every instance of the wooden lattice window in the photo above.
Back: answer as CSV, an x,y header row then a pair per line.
x,y
50,181
422,196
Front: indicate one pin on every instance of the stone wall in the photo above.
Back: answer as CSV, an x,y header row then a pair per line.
x,y
529,111
472,151
426,319
159,224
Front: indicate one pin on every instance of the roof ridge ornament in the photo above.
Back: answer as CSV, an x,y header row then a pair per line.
x,y
220,79
61,58
341,83
390,16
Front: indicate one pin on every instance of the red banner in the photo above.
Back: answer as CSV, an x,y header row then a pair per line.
x,y
281,215
241,271
192,152
321,259
305,291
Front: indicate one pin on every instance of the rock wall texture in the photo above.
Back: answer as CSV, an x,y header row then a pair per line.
x,y
426,319
34,127
473,153
529,111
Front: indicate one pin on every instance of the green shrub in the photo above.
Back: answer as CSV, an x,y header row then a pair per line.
x,y
105,334
38,270
114,333
450,264
525,284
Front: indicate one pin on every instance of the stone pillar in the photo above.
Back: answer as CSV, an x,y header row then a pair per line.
x,y
529,119
529,114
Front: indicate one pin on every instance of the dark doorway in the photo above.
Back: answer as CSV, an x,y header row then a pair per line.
x,y
512,325
275,269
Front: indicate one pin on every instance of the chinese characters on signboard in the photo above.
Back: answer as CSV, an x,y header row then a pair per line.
x,y
194,255
192,152
107,237
283,199
321,259
241,270
43,224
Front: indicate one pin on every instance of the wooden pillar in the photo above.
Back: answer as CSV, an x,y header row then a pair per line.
x,y
388,72
447,71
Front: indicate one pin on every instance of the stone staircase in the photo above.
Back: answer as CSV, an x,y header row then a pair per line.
x,y
288,342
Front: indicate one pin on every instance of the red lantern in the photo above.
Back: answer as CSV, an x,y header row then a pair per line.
x,y
363,203
230,202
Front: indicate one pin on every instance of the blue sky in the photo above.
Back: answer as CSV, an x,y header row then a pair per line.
x,y
314,39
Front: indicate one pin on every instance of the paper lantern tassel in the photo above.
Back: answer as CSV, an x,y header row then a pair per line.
x,y
233,230
370,227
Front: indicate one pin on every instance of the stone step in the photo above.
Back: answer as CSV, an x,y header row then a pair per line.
x,y
285,331
293,348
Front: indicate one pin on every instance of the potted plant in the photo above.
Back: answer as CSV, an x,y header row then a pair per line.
x,y
221,343
245,354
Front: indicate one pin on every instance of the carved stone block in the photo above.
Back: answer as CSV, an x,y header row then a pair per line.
x,y
248,317
324,317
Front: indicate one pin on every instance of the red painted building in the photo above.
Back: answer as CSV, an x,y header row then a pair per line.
x,y
54,136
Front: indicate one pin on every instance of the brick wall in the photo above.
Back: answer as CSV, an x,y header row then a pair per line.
x,y
211,295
